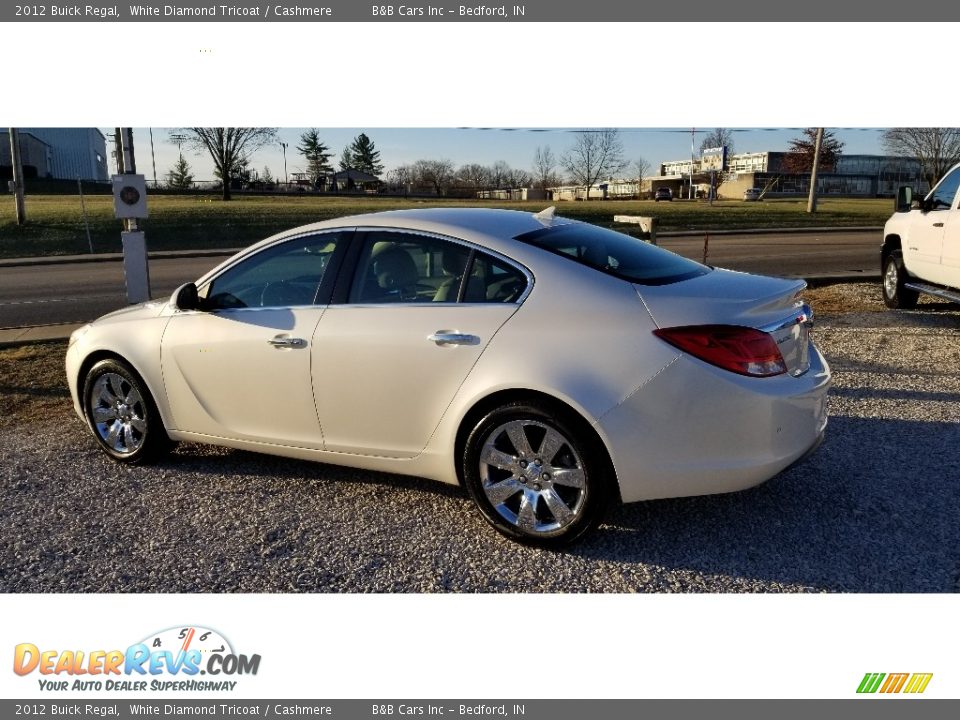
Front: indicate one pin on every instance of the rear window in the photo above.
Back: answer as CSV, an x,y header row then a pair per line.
x,y
615,253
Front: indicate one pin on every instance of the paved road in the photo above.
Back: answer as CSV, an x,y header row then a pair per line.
x,y
46,294
790,255
42,295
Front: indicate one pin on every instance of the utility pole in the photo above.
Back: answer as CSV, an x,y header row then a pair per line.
x,y
153,159
693,140
812,200
130,206
17,175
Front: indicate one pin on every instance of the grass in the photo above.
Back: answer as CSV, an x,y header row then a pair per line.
x,y
181,222
33,383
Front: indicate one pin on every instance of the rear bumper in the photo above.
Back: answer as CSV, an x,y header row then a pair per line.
x,y
698,430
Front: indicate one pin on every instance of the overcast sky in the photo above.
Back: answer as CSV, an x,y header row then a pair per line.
x,y
399,146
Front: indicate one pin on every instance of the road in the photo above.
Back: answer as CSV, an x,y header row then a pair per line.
x,y
63,293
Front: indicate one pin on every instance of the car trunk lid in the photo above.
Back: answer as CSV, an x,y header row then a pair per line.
x,y
725,297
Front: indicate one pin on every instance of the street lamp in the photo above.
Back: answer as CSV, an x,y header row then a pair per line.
x,y
286,181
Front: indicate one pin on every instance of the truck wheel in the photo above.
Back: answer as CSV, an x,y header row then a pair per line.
x,y
895,295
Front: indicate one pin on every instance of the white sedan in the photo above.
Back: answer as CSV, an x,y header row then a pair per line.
x,y
547,365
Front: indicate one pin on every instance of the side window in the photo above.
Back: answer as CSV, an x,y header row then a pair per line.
x,y
493,281
942,197
408,268
284,275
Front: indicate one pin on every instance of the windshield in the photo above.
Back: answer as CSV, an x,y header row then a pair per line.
x,y
615,253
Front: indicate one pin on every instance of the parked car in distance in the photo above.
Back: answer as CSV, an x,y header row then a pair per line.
x,y
549,366
921,245
752,194
663,193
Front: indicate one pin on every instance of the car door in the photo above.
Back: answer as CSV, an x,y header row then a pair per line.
x,y
391,353
239,367
928,231
950,253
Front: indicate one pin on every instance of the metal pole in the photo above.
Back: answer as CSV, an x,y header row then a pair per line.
x,y
17,175
693,135
118,151
812,200
129,166
153,159
86,223
136,266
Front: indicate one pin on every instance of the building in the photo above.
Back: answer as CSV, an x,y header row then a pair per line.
x,y
854,176
73,153
35,156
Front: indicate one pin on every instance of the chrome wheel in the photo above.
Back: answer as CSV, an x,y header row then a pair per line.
x,y
118,412
533,477
891,279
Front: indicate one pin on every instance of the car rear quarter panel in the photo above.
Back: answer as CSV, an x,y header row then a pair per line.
x,y
582,337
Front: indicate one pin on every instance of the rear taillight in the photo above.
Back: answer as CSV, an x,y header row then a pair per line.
x,y
742,350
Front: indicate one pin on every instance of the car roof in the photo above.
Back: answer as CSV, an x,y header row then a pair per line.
x,y
489,224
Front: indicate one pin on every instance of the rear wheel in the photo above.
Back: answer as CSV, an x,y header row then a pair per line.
x,y
895,295
122,414
536,476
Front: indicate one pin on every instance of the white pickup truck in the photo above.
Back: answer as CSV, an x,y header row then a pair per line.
x,y
921,245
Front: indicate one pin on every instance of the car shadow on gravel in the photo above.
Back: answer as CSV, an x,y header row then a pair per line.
x,y
875,509
217,462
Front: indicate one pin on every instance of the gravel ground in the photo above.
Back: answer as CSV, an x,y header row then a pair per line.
x,y
876,509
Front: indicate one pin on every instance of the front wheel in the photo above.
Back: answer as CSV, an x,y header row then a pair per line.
x,y
895,294
535,476
122,414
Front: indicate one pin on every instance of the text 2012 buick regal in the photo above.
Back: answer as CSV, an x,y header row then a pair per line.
x,y
549,366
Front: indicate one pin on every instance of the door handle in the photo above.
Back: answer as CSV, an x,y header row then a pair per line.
x,y
938,224
442,337
287,342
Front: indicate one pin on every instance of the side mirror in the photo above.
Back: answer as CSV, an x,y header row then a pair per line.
x,y
904,199
185,297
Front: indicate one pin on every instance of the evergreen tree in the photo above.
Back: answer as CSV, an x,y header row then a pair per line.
x,y
346,160
364,156
317,154
799,158
180,177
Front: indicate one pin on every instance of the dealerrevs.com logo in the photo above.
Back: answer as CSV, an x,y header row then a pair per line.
x,y
173,659
892,683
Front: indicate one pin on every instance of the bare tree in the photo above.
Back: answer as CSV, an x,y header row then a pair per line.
x,y
499,174
519,178
936,149
474,176
544,164
641,168
437,173
718,137
594,155
229,148
401,177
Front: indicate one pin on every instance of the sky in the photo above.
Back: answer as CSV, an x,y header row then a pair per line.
x,y
399,146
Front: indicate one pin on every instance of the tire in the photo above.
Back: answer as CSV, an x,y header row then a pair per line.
x,y
122,414
895,295
519,491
